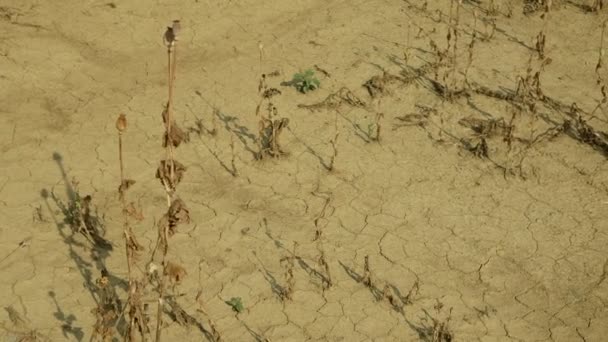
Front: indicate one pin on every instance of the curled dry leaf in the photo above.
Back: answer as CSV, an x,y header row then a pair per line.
x,y
164,173
176,137
133,245
175,272
176,215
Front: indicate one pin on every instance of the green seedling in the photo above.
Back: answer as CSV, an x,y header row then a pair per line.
x,y
305,81
236,303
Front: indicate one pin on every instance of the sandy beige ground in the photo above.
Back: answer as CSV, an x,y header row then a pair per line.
x,y
517,251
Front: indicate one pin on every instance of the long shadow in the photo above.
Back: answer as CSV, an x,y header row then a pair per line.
x,y
199,129
255,335
67,327
231,170
311,271
431,329
509,37
375,291
78,216
323,163
242,133
179,315
276,288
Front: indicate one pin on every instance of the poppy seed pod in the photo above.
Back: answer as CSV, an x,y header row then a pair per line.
x,y
121,123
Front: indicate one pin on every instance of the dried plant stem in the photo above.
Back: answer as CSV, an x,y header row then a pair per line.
x,y
124,209
470,48
598,71
169,148
454,56
126,229
171,40
334,145
131,244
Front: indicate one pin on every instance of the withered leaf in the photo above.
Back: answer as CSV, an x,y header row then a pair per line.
x,y
268,93
175,272
163,173
134,212
178,213
176,137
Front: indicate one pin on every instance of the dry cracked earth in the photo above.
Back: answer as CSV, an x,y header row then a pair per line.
x,y
480,217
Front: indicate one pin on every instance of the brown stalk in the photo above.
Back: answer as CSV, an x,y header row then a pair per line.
x,y
454,56
132,247
470,48
169,172
598,71
334,145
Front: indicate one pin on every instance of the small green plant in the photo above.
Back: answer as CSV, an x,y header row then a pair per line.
x,y
236,303
305,81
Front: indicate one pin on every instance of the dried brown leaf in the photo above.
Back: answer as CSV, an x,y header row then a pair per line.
x,y
135,212
163,173
176,137
178,213
175,272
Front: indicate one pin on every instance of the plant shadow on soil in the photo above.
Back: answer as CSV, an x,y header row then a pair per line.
x,y
78,215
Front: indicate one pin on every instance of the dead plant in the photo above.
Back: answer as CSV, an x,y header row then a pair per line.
x,y
170,173
288,263
108,310
270,126
137,323
335,100
599,68
334,144
327,280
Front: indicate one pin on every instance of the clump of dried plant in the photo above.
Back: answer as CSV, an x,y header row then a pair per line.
x,y
446,82
529,91
288,263
270,125
320,223
599,68
438,330
373,128
334,145
108,309
82,217
335,100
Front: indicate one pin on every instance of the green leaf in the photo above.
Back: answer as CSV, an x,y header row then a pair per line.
x,y
236,303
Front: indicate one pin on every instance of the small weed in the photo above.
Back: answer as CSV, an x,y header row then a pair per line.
x,y
305,81
236,303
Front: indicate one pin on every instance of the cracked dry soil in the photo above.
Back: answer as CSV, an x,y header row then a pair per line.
x,y
508,242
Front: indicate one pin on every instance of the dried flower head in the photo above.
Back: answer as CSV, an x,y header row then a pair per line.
x,y
121,123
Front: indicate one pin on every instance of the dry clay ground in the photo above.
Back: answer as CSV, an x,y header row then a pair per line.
x,y
498,243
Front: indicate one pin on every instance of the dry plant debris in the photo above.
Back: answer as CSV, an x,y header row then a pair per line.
x,y
270,126
335,100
